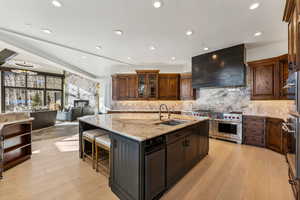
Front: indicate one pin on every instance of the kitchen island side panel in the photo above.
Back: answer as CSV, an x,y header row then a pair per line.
x,y
127,168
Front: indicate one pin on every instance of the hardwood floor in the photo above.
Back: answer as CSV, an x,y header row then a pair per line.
x,y
229,172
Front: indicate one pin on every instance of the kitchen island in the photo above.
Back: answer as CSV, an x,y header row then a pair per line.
x,y
149,156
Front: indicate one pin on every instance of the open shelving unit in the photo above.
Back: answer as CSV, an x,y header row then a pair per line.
x,y
15,145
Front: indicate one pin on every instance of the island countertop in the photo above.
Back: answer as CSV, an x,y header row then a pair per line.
x,y
138,126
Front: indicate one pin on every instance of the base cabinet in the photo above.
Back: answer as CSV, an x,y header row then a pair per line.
x,y
175,163
254,130
274,139
184,150
125,166
140,171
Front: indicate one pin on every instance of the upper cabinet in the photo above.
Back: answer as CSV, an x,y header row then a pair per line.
x,y
124,87
169,86
187,92
268,78
147,84
291,16
150,85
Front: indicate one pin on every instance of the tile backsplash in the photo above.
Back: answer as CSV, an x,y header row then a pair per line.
x,y
217,99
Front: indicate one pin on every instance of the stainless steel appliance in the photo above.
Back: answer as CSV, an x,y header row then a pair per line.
x,y
227,126
291,127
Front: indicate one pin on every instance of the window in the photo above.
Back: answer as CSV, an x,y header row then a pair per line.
x,y
54,82
54,98
15,99
35,98
36,81
27,90
14,79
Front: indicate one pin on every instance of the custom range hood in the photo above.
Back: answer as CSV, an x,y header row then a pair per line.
x,y
6,55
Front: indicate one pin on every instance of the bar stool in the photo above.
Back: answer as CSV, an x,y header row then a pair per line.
x,y
89,136
102,145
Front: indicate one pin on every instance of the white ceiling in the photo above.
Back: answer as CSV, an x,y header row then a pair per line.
x,y
39,64
85,24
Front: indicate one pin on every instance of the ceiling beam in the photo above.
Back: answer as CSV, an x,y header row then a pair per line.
x,y
11,40
61,45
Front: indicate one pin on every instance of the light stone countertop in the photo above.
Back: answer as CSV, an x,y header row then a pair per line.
x,y
14,118
138,126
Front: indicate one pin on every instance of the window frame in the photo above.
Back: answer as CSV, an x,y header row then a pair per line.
x,y
26,88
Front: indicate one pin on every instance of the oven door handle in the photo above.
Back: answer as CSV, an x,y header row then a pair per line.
x,y
286,128
289,85
227,122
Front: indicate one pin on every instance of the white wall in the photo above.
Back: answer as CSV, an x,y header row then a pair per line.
x,y
118,69
267,51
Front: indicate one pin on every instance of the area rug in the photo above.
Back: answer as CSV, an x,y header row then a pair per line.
x,y
61,129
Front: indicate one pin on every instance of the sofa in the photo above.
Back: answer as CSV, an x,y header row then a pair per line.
x,y
43,118
73,113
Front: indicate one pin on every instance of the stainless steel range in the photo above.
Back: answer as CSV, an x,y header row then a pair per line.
x,y
227,126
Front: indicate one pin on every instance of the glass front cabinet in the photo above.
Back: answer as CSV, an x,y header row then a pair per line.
x,y
147,84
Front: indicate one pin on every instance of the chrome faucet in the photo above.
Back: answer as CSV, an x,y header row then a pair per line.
x,y
160,114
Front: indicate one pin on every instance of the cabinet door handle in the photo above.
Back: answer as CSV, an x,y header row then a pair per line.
x,y
292,182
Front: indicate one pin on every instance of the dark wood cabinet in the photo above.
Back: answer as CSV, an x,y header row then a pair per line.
x,y
147,84
124,87
150,85
268,78
254,130
265,132
291,16
284,93
169,86
274,135
187,92
15,144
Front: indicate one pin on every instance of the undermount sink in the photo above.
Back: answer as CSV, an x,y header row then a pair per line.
x,y
172,122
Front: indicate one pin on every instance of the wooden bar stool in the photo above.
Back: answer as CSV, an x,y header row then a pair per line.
x,y
89,136
102,145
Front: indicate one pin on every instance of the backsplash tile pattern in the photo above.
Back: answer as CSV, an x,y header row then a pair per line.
x,y
217,99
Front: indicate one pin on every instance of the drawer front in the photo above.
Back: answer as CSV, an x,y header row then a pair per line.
x,y
254,140
254,124
172,137
253,132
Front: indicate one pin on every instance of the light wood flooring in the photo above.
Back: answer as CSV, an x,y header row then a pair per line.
x,y
230,172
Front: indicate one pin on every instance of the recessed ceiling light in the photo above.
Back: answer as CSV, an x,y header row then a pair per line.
x,y
118,32
254,6
189,32
257,34
56,3
98,47
157,3
173,58
152,48
129,58
83,57
205,48
47,31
